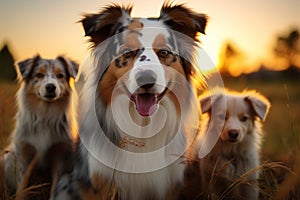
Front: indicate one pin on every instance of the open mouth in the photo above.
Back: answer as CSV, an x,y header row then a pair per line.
x,y
146,103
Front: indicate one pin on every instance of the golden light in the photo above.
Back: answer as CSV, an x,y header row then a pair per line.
x,y
72,84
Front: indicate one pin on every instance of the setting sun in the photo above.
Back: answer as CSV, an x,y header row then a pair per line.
x,y
252,26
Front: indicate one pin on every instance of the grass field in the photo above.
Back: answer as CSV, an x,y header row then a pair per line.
x,y
7,111
281,138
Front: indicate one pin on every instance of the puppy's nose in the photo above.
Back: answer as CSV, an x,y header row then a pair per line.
x,y
233,133
50,88
146,79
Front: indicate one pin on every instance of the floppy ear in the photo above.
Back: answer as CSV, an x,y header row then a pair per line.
x,y
104,24
71,66
260,104
25,67
183,19
207,102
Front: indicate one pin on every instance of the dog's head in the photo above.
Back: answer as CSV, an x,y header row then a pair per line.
x,y
236,112
144,57
47,79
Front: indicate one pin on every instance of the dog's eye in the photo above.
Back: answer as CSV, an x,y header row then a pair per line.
x,y
244,118
59,75
163,53
222,116
127,53
39,75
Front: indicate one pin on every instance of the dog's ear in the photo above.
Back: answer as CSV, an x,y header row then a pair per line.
x,y
259,103
207,102
183,19
71,66
25,67
104,24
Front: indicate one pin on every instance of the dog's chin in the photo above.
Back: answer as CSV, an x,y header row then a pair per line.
x,y
49,98
229,140
233,141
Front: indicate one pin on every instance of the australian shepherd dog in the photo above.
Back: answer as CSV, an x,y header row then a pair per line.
x,y
230,140
137,103
43,132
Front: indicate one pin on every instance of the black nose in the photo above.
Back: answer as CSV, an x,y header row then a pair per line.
x,y
50,88
146,79
233,133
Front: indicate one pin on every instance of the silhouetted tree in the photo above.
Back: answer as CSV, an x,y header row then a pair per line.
x,y
7,70
229,59
288,47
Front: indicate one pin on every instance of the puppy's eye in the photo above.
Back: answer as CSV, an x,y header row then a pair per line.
x,y
222,117
163,53
60,75
244,118
39,75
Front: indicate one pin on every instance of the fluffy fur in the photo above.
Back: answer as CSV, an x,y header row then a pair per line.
x,y
137,99
43,122
235,119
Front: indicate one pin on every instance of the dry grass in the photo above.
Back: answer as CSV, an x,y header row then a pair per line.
x,y
244,179
7,111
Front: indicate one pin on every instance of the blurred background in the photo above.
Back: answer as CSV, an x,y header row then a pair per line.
x,y
254,44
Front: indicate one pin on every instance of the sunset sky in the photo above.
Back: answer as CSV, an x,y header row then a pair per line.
x,y
50,28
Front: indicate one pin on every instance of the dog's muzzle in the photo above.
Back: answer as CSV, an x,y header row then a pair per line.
x,y
50,91
145,98
146,79
147,83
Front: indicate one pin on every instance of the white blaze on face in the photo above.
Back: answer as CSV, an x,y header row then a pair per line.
x,y
147,80
49,86
148,59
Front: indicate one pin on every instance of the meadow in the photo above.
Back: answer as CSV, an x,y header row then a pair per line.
x,y
281,143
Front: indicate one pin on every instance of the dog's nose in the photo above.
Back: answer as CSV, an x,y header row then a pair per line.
x,y
233,133
146,79
50,88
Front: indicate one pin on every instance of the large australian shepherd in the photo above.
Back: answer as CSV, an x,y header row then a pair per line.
x,y
43,132
137,103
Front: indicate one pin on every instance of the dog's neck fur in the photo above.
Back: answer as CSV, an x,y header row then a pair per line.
x,y
36,123
131,185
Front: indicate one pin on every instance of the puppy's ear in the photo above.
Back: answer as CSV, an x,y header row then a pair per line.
x,y
259,103
183,19
207,102
104,24
25,67
71,66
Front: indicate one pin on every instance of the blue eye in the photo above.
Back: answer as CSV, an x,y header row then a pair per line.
x,y
127,53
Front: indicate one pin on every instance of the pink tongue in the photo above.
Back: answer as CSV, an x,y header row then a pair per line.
x,y
146,104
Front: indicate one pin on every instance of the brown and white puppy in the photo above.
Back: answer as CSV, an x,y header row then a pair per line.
x,y
44,126
137,96
235,118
